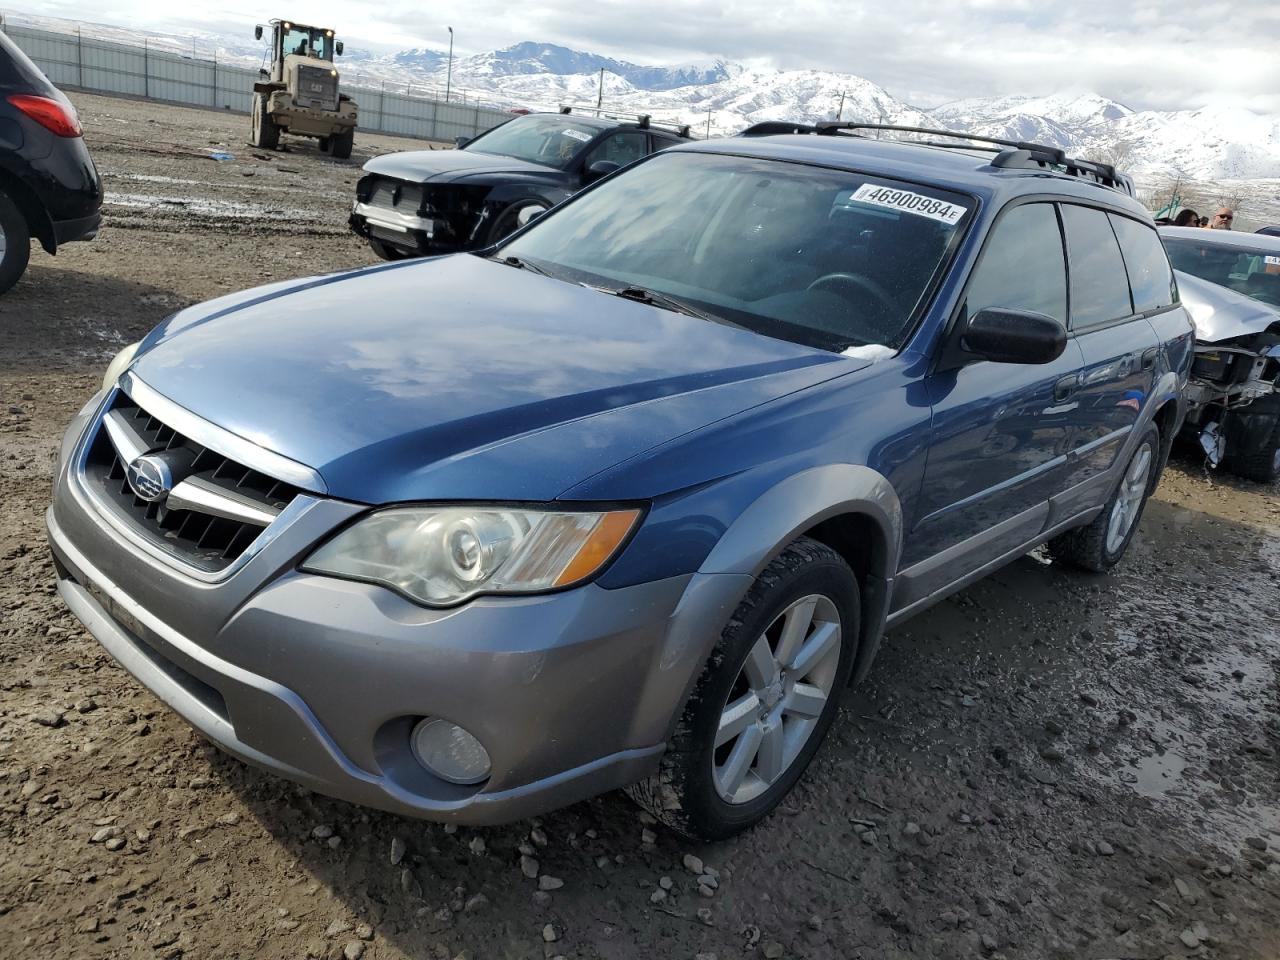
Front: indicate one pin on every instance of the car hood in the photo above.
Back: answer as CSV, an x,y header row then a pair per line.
x,y
446,166
460,377
1220,313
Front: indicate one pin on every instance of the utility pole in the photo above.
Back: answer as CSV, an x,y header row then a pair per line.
x,y
448,78
840,109
600,95
708,123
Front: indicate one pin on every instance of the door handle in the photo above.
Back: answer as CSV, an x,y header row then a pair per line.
x,y
1149,357
1065,388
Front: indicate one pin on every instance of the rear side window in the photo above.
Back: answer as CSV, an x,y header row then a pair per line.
x,y
1022,266
1150,276
1099,285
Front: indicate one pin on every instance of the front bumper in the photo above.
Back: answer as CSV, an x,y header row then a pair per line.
x,y
409,232
309,121
321,680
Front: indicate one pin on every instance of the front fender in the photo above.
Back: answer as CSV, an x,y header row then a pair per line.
x,y
773,520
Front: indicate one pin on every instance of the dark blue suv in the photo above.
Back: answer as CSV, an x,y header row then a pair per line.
x,y
628,500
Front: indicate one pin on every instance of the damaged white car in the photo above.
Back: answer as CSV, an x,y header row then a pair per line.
x,y
1230,284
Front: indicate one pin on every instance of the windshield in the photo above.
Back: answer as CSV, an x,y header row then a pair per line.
x,y
1253,271
307,42
550,141
829,258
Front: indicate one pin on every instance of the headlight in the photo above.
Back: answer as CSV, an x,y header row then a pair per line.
x,y
441,556
119,363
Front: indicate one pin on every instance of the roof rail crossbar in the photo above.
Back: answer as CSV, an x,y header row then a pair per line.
x,y
829,128
1018,155
642,120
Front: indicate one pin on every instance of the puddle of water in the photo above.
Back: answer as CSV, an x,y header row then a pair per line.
x,y
1155,775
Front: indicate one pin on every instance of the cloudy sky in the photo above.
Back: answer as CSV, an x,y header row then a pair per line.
x,y
1170,54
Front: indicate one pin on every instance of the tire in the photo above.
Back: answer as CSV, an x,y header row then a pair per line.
x,y
1099,546
1263,462
512,219
695,791
265,134
340,144
386,251
324,144
15,243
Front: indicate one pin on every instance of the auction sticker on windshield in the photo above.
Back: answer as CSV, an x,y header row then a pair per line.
x,y
908,202
576,134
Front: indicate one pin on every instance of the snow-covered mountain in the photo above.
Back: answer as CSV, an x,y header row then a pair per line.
x,y
723,97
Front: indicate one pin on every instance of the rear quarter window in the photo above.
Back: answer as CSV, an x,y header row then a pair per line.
x,y
1150,276
1099,284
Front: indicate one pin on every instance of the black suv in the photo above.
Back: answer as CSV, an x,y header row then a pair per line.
x,y
49,187
443,201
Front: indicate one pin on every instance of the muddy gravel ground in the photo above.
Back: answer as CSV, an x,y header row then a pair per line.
x,y
1049,764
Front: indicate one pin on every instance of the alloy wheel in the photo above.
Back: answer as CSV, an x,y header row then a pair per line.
x,y
777,699
1133,488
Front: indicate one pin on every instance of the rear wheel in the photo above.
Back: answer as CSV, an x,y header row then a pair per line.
x,y
265,133
765,699
1100,545
15,242
340,143
1262,462
324,144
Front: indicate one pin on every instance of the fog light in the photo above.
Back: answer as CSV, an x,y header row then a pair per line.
x,y
449,752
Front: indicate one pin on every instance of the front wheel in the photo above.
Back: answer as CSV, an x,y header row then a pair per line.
x,y
513,218
386,251
340,144
265,133
1100,545
1253,440
765,699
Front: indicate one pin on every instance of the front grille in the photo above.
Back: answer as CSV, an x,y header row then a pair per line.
x,y
395,195
317,88
206,541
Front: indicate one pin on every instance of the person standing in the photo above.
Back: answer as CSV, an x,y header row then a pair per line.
x,y
1223,219
1187,218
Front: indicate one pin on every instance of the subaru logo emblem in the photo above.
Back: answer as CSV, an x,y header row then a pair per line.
x,y
149,478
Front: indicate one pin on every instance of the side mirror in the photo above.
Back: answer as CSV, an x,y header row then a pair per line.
x,y
338,47
1014,336
257,32
601,168
460,142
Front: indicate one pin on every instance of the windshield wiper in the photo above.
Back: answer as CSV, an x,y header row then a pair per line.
x,y
523,265
657,299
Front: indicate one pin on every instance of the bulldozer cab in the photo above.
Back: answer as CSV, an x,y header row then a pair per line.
x,y
289,39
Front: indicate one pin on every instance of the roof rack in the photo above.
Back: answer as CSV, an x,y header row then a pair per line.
x,y
1020,155
1017,154
642,120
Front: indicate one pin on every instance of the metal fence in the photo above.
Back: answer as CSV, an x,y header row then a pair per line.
x,y
105,66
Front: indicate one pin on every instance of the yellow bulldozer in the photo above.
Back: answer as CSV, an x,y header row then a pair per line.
x,y
299,94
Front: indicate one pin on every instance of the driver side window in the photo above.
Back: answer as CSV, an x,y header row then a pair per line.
x,y
1022,267
621,148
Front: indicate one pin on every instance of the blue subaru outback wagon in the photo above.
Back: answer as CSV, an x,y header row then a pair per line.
x,y
628,500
